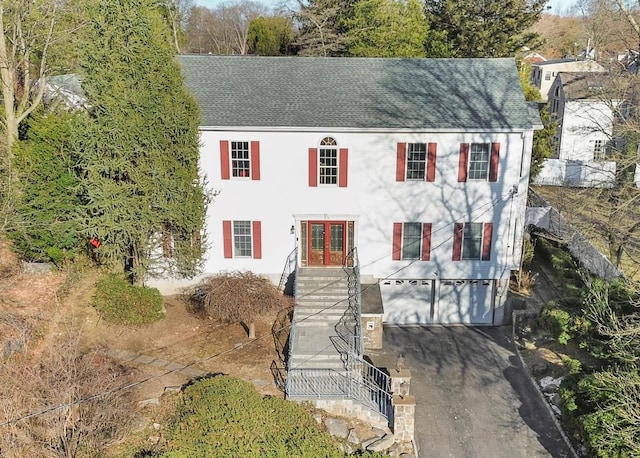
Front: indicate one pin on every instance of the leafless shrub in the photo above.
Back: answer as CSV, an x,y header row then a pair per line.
x,y
15,334
235,297
64,404
9,261
523,283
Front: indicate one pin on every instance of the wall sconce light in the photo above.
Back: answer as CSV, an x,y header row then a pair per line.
x,y
292,230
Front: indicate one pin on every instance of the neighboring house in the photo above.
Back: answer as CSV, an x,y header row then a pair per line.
x,y
534,58
420,164
66,90
582,105
543,74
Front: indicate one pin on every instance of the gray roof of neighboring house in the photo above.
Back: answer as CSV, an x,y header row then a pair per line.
x,y
66,89
376,93
585,85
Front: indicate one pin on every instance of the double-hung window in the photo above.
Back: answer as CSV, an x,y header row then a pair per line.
x,y
242,239
328,164
599,151
416,161
411,241
479,162
472,241
239,159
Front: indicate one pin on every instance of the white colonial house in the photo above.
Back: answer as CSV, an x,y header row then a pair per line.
x,y
582,105
543,74
419,165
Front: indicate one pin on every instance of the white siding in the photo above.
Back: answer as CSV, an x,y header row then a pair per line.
x,y
584,122
372,197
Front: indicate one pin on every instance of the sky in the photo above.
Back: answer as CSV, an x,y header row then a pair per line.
x,y
557,6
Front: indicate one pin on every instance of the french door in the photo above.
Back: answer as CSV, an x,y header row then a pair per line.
x,y
326,243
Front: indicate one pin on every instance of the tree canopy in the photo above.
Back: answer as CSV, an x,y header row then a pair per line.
x,y
386,28
270,36
491,28
137,146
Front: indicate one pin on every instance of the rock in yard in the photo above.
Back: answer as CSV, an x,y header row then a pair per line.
x,y
337,427
382,444
149,402
353,437
539,368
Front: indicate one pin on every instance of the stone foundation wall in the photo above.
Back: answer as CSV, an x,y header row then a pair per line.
x,y
351,409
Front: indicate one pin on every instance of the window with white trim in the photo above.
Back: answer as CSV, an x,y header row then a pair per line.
x,y
472,241
411,240
478,161
328,161
416,161
242,239
599,150
240,159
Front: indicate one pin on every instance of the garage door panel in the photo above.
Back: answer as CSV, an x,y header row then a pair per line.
x,y
465,302
407,301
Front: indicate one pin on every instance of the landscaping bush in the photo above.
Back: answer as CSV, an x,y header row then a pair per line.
x,y
226,416
556,321
611,401
118,301
574,366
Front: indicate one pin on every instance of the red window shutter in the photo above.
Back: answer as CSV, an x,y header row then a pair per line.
x,y
401,152
458,231
255,160
494,162
343,167
257,240
431,161
426,241
224,159
313,167
397,241
463,163
486,241
227,239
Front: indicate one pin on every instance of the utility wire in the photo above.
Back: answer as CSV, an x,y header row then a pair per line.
x,y
50,409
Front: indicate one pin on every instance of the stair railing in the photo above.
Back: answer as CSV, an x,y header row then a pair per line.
x,y
290,267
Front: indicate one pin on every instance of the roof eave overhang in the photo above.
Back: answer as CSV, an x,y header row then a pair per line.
x,y
363,129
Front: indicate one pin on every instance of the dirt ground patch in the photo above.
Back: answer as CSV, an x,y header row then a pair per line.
x,y
204,344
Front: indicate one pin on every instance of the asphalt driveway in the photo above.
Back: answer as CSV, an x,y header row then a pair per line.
x,y
473,399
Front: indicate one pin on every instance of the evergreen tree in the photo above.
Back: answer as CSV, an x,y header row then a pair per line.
x,y
44,225
386,28
489,28
270,36
137,146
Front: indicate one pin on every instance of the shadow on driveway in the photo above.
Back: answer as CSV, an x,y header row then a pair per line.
x,y
473,399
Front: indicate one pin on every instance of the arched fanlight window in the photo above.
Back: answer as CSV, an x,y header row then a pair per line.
x,y
328,161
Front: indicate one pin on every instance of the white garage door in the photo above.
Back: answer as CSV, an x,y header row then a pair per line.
x,y
464,301
407,301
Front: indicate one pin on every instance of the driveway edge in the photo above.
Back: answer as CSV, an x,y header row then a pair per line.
x,y
515,315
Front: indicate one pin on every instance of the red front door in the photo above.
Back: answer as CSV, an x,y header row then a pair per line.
x,y
326,243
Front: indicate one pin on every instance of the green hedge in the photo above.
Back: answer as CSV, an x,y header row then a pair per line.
x,y
226,417
118,301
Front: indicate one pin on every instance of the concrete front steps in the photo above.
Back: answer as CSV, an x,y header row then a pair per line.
x,y
321,301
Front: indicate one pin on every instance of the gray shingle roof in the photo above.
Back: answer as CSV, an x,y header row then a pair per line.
x,y
250,91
